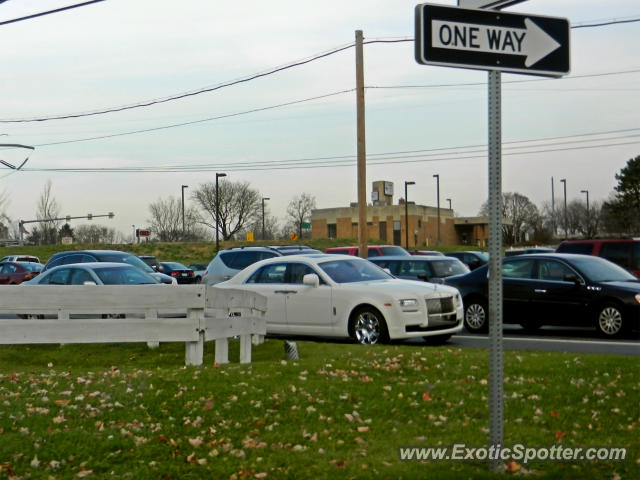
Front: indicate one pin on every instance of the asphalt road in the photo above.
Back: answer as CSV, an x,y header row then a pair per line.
x,y
553,339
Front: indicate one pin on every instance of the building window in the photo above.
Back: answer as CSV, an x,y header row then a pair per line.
x,y
396,224
331,230
419,223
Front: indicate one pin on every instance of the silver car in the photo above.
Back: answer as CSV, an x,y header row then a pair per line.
x,y
94,273
229,262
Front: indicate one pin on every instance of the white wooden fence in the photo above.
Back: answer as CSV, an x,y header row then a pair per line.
x,y
139,313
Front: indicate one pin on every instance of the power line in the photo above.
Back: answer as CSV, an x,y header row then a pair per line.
x,y
519,147
203,90
49,12
272,107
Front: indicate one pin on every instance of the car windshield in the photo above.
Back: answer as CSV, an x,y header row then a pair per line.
x,y
121,257
123,276
175,265
601,270
31,266
483,255
352,270
446,268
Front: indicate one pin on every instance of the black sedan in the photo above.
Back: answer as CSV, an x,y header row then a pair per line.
x,y
178,271
556,289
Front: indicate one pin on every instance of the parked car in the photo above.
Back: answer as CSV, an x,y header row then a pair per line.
x,y
230,261
20,258
472,258
372,250
86,256
425,268
556,289
623,251
198,270
521,251
182,274
152,261
433,253
14,273
338,296
94,273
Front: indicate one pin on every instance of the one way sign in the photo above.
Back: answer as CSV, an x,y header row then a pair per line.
x,y
491,40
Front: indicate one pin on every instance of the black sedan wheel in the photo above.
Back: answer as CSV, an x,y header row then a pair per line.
x,y
609,321
476,316
368,327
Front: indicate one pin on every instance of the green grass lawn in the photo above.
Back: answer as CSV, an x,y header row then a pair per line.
x,y
342,411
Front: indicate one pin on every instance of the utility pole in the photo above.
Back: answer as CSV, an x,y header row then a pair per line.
x,y
437,177
406,214
362,156
566,226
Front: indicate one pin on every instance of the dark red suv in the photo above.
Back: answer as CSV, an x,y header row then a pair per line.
x,y
623,251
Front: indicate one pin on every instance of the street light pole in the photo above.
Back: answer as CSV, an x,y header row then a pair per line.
x,y
406,214
587,192
183,187
564,183
437,177
133,239
263,199
218,175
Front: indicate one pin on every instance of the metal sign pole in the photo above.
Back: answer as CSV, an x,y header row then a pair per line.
x,y
496,373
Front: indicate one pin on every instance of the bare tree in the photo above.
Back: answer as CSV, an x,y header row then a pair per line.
x,y
581,221
240,205
166,220
96,234
5,221
47,210
520,215
299,211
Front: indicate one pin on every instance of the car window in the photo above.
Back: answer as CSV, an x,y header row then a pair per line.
x,y
617,252
123,257
349,271
79,276
518,268
447,268
274,273
123,276
391,265
59,277
553,270
297,271
243,259
387,251
414,269
582,248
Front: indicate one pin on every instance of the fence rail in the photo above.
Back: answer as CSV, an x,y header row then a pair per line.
x,y
153,314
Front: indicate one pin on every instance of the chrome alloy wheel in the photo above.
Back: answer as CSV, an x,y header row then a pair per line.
x,y
475,317
367,328
610,320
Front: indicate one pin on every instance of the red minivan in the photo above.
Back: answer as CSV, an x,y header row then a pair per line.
x,y
623,251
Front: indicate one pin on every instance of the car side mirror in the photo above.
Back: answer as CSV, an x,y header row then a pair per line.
x,y
311,280
572,277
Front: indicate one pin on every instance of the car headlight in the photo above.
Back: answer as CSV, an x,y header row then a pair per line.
x,y
458,300
409,304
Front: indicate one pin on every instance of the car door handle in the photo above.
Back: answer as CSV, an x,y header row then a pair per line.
x,y
540,290
285,292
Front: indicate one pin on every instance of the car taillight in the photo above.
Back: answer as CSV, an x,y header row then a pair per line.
x,y
174,274
190,273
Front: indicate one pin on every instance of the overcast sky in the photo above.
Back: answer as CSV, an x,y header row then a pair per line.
x,y
124,52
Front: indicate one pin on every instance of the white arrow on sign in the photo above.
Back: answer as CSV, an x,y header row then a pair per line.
x,y
531,41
